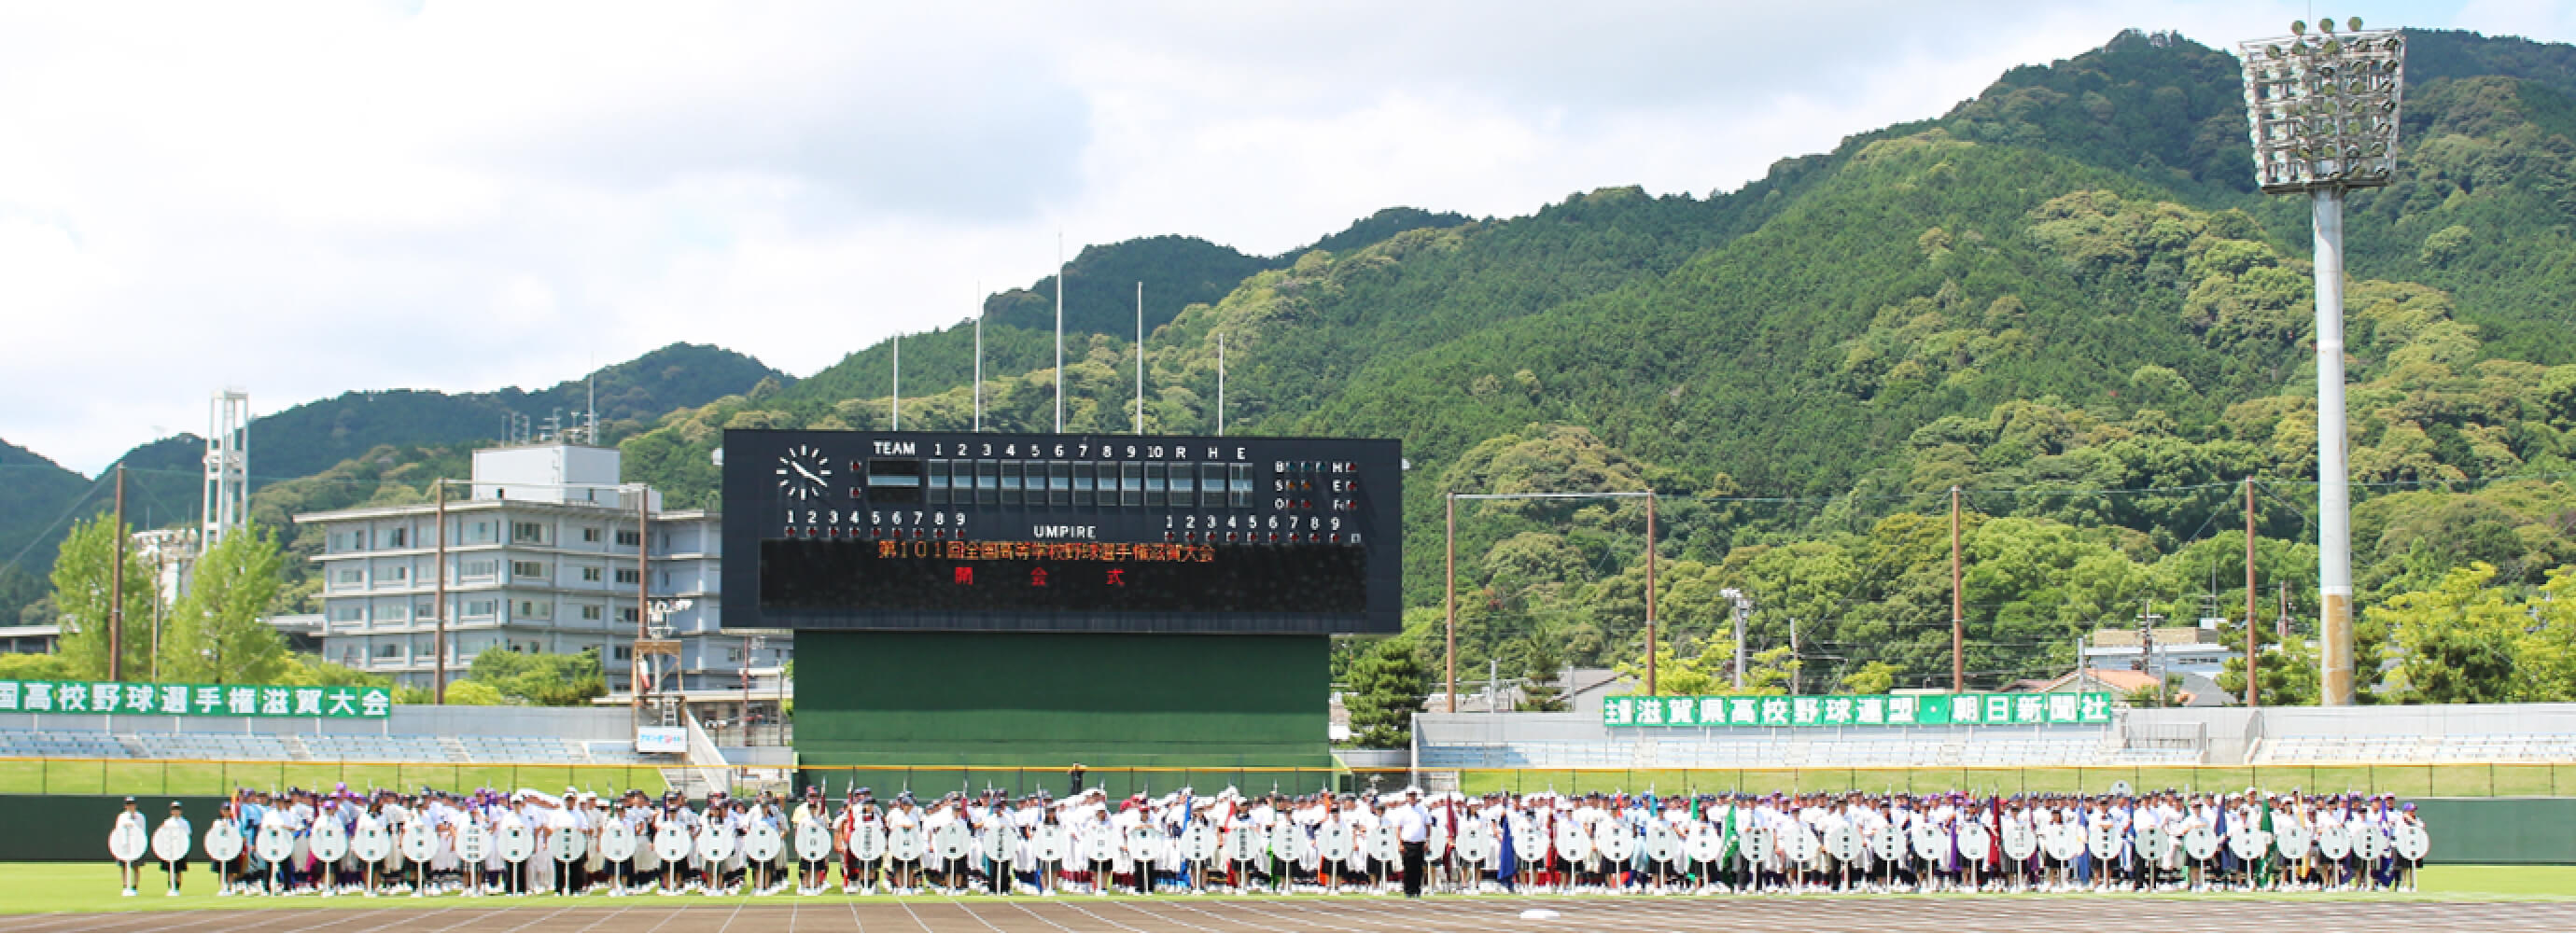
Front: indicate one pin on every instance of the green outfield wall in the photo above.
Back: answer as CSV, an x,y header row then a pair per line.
x,y
1044,700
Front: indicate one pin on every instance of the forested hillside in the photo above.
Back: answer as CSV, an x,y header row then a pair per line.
x,y
2062,296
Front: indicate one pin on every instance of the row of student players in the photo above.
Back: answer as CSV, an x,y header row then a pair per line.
x,y
1499,841
887,845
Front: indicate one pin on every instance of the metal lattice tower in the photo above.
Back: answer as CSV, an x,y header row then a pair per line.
x,y
227,465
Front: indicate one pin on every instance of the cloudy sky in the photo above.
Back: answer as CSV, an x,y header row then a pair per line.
x,y
302,199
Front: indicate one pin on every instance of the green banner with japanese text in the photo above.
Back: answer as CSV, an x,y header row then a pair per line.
x,y
1859,710
194,700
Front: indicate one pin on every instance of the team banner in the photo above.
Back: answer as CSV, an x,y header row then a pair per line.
x,y
195,700
1858,710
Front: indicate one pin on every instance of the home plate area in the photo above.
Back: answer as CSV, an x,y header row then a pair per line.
x,y
1894,913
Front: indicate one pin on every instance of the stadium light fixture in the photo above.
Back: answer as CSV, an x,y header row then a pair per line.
x,y
2323,110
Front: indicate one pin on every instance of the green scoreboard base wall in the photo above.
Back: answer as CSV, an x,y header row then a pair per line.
x,y
943,710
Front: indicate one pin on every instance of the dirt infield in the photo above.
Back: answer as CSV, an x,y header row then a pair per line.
x,y
1841,912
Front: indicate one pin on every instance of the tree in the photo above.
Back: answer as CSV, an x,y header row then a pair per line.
x,y
1541,665
2454,644
2287,676
471,693
1387,685
1872,678
543,679
1709,672
29,666
218,632
1770,671
81,595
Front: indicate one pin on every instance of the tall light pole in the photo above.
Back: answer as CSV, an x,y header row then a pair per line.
x,y
2323,115
1743,606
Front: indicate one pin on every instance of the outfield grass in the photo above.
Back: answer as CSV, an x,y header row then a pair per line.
x,y
157,777
47,887
2456,780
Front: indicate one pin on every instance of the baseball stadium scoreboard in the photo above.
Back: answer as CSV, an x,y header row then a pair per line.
x,y
1062,533
996,598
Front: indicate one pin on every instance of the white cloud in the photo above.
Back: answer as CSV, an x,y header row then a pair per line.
x,y
304,199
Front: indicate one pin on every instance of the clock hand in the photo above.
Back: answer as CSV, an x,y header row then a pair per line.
x,y
809,475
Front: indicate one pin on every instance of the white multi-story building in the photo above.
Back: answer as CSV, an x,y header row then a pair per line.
x,y
541,557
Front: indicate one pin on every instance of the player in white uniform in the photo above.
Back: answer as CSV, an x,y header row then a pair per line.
x,y
129,875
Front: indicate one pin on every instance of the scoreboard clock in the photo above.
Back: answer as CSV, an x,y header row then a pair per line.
x,y
882,530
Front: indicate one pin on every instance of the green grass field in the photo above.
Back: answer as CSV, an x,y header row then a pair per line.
x,y
47,887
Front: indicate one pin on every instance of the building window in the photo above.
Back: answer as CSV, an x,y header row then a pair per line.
x,y
480,608
528,533
394,538
484,567
529,569
625,653
389,650
626,614
349,576
536,609
626,575
591,612
424,611
733,654
662,579
348,613
478,533
395,574
590,533
590,575
627,537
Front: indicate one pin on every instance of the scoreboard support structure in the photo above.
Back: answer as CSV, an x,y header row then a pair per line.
x,y
993,601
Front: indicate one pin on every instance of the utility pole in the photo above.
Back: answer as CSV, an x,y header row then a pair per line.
x,y
1450,588
438,639
1958,607
643,592
979,357
1793,655
1140,364
1059,332
2281,623
1493,683
2253,644
1653,639
898,398
1742,606
116,588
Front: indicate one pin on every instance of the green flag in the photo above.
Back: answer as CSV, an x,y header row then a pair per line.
x,y
1729,832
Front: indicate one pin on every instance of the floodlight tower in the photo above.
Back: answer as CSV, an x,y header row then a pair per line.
x,y
2323,110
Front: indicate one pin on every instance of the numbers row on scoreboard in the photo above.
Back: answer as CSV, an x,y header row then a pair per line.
x,y
1066,483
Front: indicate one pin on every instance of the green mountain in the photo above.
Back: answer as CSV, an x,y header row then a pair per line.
x,y
2062,296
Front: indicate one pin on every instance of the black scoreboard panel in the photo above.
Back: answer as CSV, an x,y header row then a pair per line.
x,y
881,530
